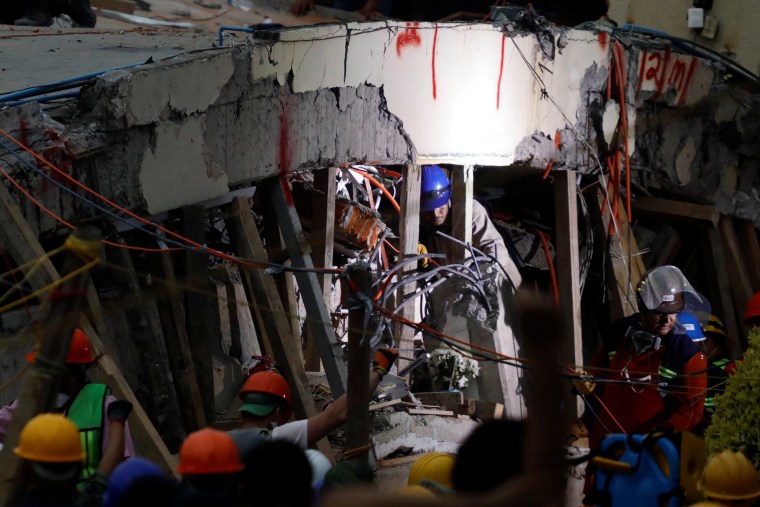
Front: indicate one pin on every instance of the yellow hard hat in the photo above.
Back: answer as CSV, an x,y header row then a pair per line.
x,y
50,438
433,466
730,475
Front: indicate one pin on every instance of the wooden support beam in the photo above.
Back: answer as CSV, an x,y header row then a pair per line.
x,y
41,384
462,179
720,290
623,261
568,272
200,303
172,311
409,233
676,211
317,316
322,238
739,281
746,234
145,332
264,295
357,423
24,247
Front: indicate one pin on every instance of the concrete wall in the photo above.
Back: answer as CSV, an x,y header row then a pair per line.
x,y
737,33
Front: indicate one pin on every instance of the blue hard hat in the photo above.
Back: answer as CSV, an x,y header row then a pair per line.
x,y
435,188
692,326
124,474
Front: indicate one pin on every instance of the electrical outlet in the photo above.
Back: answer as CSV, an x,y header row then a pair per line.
x,y
711,26
696,17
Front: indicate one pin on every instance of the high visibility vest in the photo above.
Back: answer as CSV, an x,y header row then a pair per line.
x,y
88,413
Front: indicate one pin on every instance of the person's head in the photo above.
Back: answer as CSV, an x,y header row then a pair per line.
x,y
209,461
279,474
496,437
693,328
661,294
266,399
125,474
79,358
247,440
435,192
729,478
51,447
752,312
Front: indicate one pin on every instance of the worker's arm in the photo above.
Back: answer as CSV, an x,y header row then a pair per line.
x,y
6,413
336,412
116,414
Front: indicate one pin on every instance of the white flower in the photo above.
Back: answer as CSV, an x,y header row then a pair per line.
x,y
451,368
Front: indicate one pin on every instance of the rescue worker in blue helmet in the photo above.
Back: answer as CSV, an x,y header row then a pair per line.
x,y
435,206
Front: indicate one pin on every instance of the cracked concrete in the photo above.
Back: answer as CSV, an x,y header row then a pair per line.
x,y
199,125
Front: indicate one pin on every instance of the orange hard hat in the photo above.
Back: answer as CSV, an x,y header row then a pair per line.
x,y
730,475
80,351
753,308
209,451
263,392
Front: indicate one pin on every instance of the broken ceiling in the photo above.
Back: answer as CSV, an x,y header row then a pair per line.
x,y
194,127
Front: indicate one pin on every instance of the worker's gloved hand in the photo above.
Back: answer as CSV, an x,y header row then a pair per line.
x,y
384,359
421,250
583,384
118,410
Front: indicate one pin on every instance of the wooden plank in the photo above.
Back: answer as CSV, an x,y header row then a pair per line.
x,y
172,311
114,5
322,238
357,421
145,332
461,209
265,296
24,247
741,287
449,400
623,259
568,272
409,233
483,410
385,404
746,234
40,385
720,290
676,211
200,304
430,411
330,348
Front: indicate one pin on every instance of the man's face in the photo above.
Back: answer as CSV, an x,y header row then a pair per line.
x,y
437,216
659,324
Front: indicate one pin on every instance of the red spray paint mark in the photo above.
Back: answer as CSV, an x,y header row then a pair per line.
x,y
666,70
603,38
501,72
435,42
283,156
410,37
